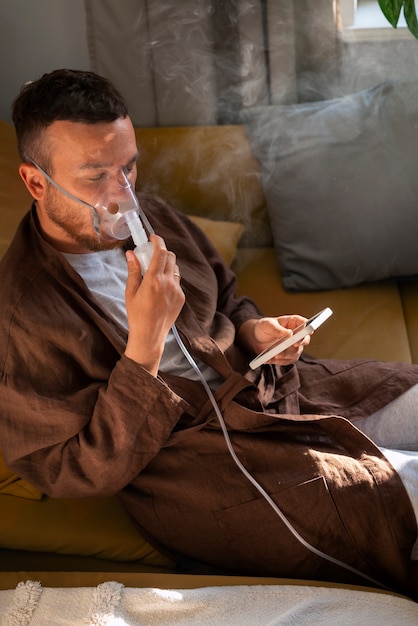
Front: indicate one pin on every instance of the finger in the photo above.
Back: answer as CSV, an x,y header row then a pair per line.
x,y
291,355
303,342
170,263
134,272
158,260
165,260
291,321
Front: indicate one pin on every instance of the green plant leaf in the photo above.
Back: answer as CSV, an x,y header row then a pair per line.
x,y
411,16
391,10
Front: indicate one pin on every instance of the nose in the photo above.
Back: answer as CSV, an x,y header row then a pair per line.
x,y
122,178
118,187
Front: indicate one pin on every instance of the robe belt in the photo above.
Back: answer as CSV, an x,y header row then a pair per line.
x,y
230,388
200,416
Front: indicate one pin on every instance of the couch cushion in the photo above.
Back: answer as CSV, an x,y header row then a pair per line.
x,y
409,296
14,198
12,485
341,185
367,322
90,527
225,236
208,171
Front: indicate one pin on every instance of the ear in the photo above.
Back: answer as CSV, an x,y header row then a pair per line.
x,y
33,179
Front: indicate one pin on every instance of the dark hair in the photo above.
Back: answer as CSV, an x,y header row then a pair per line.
x,y
66,95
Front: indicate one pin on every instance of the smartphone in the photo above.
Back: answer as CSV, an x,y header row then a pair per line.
x,y
307,328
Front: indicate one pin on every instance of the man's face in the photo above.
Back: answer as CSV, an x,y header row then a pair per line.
x,y
86,161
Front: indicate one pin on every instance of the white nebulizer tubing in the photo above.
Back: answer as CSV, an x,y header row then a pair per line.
x,y
143,251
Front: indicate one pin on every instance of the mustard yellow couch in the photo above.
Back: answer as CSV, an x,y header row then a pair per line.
x,y
209,173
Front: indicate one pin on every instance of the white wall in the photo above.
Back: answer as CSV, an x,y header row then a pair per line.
x,y
37,36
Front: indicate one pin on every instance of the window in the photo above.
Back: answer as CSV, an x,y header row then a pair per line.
x,y
363,20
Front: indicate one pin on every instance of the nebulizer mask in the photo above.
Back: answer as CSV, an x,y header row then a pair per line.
x,y
117,210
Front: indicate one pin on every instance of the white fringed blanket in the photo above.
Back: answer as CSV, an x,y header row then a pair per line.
x,y
112,604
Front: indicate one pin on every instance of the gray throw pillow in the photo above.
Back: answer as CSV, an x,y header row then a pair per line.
x,y
341,184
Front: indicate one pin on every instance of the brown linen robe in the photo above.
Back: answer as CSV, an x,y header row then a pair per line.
x,y
78,418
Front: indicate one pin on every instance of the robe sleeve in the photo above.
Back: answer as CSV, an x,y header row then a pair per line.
x,y
92,441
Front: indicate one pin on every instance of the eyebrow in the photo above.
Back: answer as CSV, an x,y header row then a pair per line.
x,y
103,166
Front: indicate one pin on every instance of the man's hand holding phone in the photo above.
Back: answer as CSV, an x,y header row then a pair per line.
x,y
289,345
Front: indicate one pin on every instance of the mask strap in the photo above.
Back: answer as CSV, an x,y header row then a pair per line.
x,y
70,196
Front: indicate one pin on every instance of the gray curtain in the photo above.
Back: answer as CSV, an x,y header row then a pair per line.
x,y
199,62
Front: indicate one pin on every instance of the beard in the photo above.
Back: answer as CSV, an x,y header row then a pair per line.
x,y
76,222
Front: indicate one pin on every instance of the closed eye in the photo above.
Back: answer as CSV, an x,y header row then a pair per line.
x,y
98,178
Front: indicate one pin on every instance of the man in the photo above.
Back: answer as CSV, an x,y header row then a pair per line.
x,y
97,397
